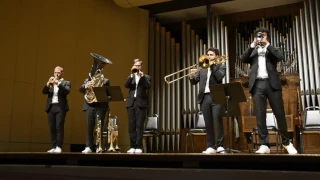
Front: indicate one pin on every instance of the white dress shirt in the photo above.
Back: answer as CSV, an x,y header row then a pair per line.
x,y
207,89
55,92
137,78
262,68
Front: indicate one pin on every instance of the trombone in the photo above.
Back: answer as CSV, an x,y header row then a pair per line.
x,y
203,63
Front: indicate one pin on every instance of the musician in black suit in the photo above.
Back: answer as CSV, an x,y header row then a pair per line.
x,y
137,103
57,107
264,83
212,112
92,110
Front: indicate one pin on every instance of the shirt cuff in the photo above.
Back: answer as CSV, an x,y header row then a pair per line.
x,y
252,45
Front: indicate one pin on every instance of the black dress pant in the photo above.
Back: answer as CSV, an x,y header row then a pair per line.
x,y
136,117
56,118
212,114
262,91
91,117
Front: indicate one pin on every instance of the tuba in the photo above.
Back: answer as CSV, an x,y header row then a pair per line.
x,y
95,76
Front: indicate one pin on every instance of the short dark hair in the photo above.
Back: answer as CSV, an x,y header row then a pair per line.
x,y
262,29
215,50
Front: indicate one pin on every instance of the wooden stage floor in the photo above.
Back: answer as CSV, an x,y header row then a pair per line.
x,y
157,166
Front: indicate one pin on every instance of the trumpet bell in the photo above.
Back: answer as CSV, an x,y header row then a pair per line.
x,y
134,70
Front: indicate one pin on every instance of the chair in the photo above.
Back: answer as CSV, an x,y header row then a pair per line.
x,y
199,129
311,123
151,129
272,126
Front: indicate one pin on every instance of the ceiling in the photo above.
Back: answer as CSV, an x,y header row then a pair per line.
x,y
178,10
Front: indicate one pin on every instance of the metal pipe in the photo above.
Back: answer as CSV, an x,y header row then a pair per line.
x,y
178,98
162,66
315,50
218,45
168,95
184,64
214,31
309,53
209,26
157,69
188,89
174,108
227,54
151,63
300,63
305,60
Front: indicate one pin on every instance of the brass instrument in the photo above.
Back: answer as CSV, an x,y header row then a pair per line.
x,y
96,77
134,70
259,39
113,134
51,82
203,63
98,133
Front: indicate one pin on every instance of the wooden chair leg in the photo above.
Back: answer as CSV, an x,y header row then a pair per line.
x,y
187,142
192,142
144,144
277,143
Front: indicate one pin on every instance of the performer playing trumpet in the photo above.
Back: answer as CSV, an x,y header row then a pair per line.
x,y
57,106
137,102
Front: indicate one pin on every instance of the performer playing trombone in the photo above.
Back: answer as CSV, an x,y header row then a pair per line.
x,y
212,112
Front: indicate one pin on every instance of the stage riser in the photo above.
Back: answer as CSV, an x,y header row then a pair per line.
x,y
8,172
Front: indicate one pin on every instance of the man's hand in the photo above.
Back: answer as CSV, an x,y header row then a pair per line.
x,y
192,72
50,81
89,84
140,73
255,42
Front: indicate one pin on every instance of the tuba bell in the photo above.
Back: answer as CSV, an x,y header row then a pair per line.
x,y
95,76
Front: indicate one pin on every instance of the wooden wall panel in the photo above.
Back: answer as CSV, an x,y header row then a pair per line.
x,y
22,115
6,111
9,24
39,35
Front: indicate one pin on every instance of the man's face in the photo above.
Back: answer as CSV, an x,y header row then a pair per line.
x,y
57,73
138,65
211,54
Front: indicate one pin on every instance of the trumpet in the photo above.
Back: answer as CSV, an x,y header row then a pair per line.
x,y
51,81
134,70
203,63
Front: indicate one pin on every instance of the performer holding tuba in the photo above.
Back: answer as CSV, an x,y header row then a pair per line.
x,y
57,107
212,112
95,111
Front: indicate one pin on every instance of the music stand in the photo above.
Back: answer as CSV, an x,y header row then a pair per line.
x,y
231,93
108,94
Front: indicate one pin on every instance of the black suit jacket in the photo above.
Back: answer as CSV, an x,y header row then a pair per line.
x,y
273,56
64,90
85,106
218,72
142,96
